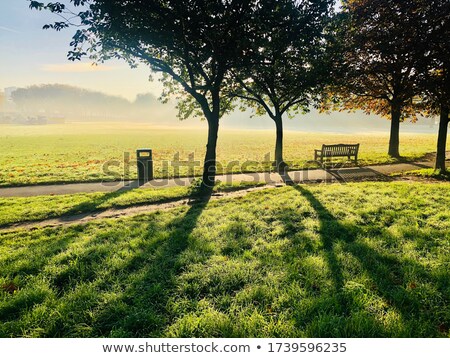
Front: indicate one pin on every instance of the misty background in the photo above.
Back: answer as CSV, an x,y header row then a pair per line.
x,y
58,103
38,86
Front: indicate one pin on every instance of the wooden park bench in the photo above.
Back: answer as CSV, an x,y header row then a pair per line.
x,y
337,150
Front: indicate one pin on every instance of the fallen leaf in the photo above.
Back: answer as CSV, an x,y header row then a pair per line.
x,y
9,287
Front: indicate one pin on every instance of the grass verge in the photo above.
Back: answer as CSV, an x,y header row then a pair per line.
x,y
356,260
427,174
92,152
16,209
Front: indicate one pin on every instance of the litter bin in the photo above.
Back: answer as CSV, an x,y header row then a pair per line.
x,y
144,165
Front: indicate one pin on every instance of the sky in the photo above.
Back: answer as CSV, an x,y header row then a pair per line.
x,y
30,55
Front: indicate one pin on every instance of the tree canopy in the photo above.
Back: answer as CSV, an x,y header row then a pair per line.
x,y
286,68
435,86
379,57
194,43
273,54
436,59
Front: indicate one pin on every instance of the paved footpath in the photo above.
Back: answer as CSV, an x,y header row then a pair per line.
x,y
375,172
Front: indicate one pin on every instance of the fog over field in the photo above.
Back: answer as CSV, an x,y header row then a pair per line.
x,y
69,103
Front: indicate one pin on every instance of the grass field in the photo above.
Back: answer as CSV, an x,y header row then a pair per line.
x,y
355,260
16,209
25,209
76,152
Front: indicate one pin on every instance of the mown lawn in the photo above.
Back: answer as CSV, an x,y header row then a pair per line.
x,y
356,260
428,174
26,209
77,152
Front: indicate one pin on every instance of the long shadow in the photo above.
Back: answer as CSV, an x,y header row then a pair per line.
x,y
130,185
39,251
343,175
157,265
330,233
386,271
89,207
82,210
141,286
340,174
92,206
26,260
419,165
75,213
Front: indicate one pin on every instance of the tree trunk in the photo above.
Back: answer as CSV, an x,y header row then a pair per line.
x,y
279,162
394,141
442,140
209,168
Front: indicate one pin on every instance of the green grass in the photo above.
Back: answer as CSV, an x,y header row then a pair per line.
x,y
356,260
428,174
16,209
76,152
22,209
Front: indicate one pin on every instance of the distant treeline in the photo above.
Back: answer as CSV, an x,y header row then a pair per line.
x,y
78,103
73,103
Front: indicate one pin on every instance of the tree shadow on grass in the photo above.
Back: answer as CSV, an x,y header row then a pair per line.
x,y
17,262
88,207
142,310
24,261
344,175
93,206
388,274
80,272
329,231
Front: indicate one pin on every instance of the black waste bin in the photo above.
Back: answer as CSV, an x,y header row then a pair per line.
x,y
144,165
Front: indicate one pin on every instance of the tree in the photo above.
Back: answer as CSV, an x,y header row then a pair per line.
x,y
436,84
286,68
194,43
69,100
377,70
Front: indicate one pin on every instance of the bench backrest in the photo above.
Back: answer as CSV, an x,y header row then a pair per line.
x,y
340,149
